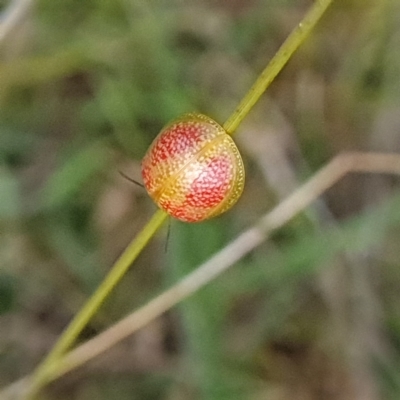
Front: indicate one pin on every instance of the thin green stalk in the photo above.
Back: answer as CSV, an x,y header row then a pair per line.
x,y
282,56
42,374
75,327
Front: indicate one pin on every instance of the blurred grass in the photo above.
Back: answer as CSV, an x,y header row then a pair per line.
x,y
85,87
204,313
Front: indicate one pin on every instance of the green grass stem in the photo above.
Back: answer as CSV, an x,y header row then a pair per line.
x,y
281,57
81,319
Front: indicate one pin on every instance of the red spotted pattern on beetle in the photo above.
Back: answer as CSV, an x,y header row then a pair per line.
x,y
193,169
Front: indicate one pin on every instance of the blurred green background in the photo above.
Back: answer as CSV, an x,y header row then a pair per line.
x,y
86,85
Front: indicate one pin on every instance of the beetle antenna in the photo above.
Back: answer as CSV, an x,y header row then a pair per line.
x,y
130,179
168,236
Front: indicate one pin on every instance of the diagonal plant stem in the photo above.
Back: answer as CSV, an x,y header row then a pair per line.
x,y
93,304
301,198
43,372
281,57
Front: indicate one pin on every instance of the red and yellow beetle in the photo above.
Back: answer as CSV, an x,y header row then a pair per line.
x,y
193,169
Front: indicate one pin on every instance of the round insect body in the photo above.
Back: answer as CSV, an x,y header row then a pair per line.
x,y
193,169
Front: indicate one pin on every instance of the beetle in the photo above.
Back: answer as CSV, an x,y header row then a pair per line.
x,y
193,169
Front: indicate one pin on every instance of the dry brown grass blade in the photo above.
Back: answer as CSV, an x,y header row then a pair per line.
x,y
15,13
225,258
